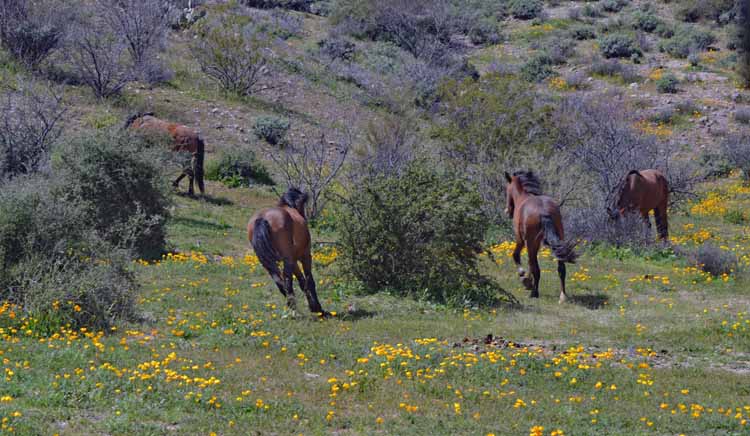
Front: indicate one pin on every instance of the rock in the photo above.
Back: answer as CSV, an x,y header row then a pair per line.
x,y
633,86
310,376
214,110
219,126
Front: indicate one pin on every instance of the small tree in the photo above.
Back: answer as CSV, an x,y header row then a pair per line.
x,y
143,24
312,166
29,30
29,126
232,53
99,57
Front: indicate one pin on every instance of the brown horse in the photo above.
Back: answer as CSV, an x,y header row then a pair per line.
x,y
643,191
184,139
536,221
280,234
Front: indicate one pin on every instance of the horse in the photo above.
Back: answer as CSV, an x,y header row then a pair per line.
x,y
643,191
536,221
184,139
280,234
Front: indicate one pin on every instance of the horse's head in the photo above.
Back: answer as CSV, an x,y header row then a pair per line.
x,y
131,119
510,205
520,183
295,199
620,201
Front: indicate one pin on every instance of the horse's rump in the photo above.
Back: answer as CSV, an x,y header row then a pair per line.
x,y
263,245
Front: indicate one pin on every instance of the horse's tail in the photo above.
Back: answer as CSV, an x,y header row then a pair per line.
x,y
267,255
198,170
562,250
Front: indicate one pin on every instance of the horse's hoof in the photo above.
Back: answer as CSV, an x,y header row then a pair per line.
x,y
534,295
563,300
521,272
527,283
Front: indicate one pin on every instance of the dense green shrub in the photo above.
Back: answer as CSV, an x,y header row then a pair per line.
x,y
417,234
686,40
619,45
538,68
581,33
667,84
525,9
118,183
271,129
238,167
646,21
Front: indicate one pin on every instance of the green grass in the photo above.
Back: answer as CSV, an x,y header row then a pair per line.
x,y
217,351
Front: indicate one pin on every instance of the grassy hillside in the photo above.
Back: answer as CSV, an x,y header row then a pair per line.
x,y
649,344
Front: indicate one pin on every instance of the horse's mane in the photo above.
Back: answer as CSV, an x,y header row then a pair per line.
x,y
135,116
293,198
529,181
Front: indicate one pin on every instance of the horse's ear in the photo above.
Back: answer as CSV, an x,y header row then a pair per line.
x,y
636,172
507,177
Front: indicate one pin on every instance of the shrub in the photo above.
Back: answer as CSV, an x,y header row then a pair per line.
x,y
581,33
694,59
485,32
54,266
613,5
271,129
715,164
619,45
664,30
712,259
662,115
99,57
686,40
667,84
736,150
591,11
742,115
577,80
230,52
645,21
734,217
614,68
30,31
29,126
238,167
144,25
297,5
525,9
692,11
538,68
118,184
337,48
561,50
417,235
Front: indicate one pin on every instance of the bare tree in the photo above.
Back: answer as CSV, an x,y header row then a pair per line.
x,y
99,57
143,24
232,54
30,30
389,145
29,125
312,166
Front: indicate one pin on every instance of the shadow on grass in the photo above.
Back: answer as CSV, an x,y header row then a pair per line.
x,y
210,199
200,224
590,301
356,315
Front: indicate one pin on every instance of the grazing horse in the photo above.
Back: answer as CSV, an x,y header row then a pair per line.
x,y
184,139
643,191
280,234
536,221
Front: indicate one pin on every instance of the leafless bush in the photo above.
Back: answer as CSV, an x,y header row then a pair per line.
x,y
711,259
312,166
594,225
29,126
30,30
389,146
143,24
232,54
736,149
99,56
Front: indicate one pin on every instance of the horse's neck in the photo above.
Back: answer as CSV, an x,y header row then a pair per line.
x,y
295,213
520,196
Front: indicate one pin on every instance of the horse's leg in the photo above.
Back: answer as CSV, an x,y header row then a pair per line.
x,y
176,183
532,248
191,176
662,223
646,221
309,288
289,268
561,273
517,257
276,276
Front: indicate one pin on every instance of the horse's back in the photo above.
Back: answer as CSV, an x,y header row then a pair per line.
x,y
653,187
184,138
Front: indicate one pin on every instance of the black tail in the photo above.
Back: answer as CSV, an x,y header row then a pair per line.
x,y
263,247
563,251
198,170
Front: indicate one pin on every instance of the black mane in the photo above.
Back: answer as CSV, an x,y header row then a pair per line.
x,y
293,198
134,117
529,181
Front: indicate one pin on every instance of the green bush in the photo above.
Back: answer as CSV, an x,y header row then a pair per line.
x,y
525,9
645,21
667,84
54,266
417,234
238,167
271,129
581,33
686,40
118,183
734,217
619,45
538,68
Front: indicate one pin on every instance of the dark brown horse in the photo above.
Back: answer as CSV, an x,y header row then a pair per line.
x,y
536,221
184,139
280,234
643,191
